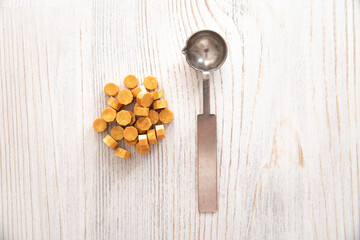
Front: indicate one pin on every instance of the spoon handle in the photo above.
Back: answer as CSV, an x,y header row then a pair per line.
x,y
207,140
206,93
207,166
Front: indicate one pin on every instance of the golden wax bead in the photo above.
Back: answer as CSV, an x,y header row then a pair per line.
x,y
160,131
117,133
151,135
100,125
157,94
159,104
108,140
123,117
154,116
108,114
131,81
141,111
111,89
143,141
125,97
122,153
139,130
142,151
130,133
112,102
143,123
150,82
145,99
166,115
131,142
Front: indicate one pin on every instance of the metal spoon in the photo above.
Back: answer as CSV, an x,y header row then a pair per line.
x,y
206,51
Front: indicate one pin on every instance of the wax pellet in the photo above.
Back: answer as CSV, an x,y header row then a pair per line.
x,y
150,82
143,141
123,117
108,114
142,151
159,104
112,102
142,132
100,125
137,90
108,140
166,115
160,131
143,123
131,142
131,81
130,133
151,135
141,111
122,153
157,94
145,99
154,116
117,133
125,97
133,118
139,130
111,89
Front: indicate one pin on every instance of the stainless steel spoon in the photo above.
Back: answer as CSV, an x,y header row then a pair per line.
x,y
206,51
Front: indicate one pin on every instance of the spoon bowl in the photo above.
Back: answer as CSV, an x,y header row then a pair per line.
x,y
205,51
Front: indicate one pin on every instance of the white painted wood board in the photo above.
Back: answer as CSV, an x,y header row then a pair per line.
x,y
287,104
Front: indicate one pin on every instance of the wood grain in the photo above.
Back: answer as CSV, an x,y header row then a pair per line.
x,y
287,104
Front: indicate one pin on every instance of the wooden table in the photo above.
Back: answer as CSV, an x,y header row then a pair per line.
x,y
287,102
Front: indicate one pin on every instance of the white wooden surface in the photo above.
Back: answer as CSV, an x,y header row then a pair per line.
x,y
287,102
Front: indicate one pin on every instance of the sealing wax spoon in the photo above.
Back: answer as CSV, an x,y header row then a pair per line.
x,y
206,51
